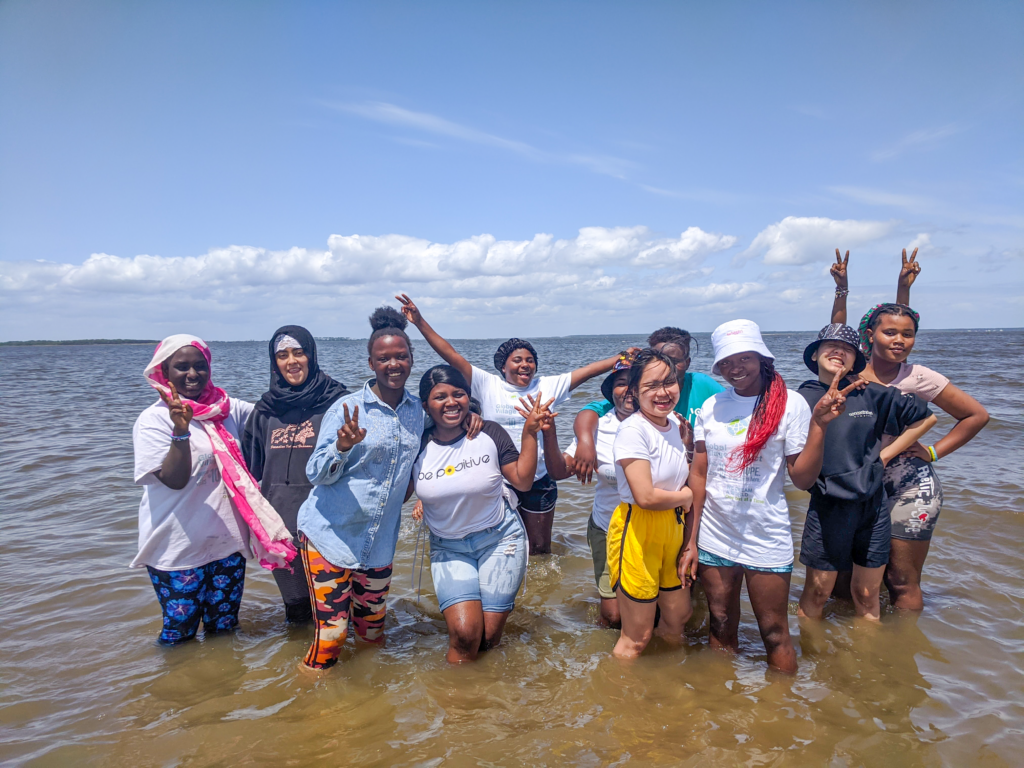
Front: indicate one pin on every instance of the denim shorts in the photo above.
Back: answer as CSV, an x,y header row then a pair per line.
x,y
487,565
706,558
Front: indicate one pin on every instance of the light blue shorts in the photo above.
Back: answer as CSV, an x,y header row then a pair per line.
x,y
706,558
488,566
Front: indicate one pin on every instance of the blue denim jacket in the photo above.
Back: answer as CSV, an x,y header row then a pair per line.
x,y
354,510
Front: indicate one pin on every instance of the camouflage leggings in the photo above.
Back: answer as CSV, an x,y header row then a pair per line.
x,y
339,594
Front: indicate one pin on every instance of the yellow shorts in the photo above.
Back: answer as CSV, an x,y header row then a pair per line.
x,y
643,546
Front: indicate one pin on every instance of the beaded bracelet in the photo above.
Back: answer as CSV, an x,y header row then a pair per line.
x,y
179,438
841,292
932,453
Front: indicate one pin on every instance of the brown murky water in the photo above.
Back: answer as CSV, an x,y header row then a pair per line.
x,y
83,682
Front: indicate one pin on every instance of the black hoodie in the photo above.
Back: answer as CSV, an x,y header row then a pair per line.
x,y
281,432
852,468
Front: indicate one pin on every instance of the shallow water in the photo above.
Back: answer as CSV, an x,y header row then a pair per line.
x,y
84,683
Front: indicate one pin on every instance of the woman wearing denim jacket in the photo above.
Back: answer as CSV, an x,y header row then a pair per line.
x,y
360,468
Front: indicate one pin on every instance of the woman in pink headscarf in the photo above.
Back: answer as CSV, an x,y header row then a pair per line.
x,y
202,514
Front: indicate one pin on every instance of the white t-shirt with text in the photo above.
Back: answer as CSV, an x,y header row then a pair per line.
x,y
198,524
498,400
606,490
460,483
746,517
638,438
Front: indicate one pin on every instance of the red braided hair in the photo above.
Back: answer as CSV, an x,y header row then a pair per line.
x,y
768,412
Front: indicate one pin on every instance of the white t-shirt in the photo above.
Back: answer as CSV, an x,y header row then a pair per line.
x,y
606,491
460,483
638,438
198,524
746,518
498,400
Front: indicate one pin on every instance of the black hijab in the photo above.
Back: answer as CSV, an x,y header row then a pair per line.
x,y
318,389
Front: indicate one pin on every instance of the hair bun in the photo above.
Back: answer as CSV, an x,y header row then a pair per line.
x,y
387,317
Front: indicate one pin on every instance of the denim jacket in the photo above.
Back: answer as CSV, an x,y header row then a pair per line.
x,y
354,510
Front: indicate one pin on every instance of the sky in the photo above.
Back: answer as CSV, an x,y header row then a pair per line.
x,y
519,169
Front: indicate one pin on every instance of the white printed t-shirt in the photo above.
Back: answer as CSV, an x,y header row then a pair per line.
x,y
498,400
606,491
198,524
460,483
746,518
638,438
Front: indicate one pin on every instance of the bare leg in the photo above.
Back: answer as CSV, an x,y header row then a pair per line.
x,y
722,586
637,626
465,630
769,596
610,613
903,575
817,589
538,530
675,612
865,586
494,625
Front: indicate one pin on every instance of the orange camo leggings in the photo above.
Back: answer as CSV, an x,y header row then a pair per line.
x,y
339,594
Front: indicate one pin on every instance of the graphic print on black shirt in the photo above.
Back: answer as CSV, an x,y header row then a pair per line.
x,y
851,468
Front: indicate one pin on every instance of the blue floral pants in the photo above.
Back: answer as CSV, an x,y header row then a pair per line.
x,y
211,592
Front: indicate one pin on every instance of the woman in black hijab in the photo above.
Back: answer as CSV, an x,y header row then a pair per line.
x,y
279,438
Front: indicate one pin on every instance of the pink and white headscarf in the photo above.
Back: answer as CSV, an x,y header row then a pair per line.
x,y
270,539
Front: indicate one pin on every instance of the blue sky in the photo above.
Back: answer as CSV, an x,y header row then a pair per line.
x,y
520,169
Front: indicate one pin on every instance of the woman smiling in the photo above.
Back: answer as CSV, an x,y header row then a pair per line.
x,y
477,542
279,439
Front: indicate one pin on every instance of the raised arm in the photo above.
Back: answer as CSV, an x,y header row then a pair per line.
x,y
434,339
804,467
909,271
595,369
838,271
176,468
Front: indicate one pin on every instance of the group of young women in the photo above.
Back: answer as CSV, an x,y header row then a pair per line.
x,y
311,480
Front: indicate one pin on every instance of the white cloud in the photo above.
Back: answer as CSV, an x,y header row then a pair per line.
x,y
802,240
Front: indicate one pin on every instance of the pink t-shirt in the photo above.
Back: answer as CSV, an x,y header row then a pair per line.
x,y
918,380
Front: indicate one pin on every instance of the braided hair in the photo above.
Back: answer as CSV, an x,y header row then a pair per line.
x,y
505,351
870,321
387,321
764,421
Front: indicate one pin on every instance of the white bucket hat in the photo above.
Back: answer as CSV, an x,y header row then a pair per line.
x,y
737,336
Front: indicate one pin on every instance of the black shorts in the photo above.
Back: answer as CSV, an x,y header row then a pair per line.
x,y
541,498
839,534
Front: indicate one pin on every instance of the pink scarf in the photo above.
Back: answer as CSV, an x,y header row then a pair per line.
x,y
270,539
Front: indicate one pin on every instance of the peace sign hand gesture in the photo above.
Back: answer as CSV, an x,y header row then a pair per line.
x,y
909,270
180,413
410,310
838,271
537,414
833,402
350,433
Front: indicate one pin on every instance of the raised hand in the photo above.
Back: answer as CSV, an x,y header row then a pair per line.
x,y
838,271
537,413
180,413
410,310
833,402
350,433
909,270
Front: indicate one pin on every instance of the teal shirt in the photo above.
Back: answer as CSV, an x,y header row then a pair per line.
x,y
697,388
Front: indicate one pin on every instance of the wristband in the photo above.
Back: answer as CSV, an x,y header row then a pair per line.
x,y
932,453
179,438
841,292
